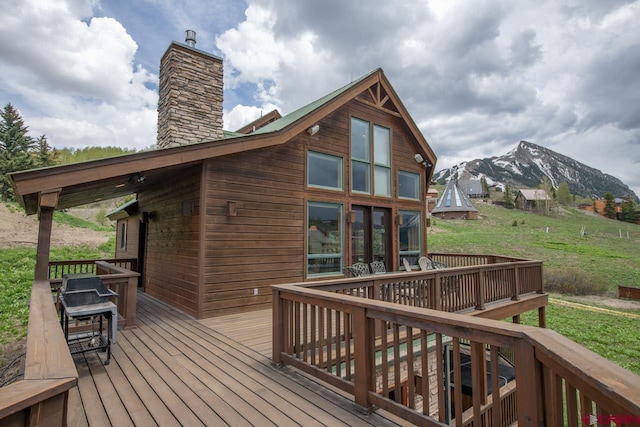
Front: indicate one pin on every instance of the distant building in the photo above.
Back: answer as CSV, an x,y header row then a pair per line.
x,y
454,204
532,200
471,187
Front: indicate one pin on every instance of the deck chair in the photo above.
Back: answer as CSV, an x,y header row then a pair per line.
x,y
426,263
362,268
378,267
407,266
350,272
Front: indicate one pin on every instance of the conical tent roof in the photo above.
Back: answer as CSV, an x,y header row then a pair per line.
x,y
453,200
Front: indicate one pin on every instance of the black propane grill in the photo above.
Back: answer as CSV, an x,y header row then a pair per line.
x,y
84,297
82,289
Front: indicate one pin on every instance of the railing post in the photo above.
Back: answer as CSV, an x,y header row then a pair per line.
x,y
363,352
277,328
516,284
436,300
481,289
131,303
529,390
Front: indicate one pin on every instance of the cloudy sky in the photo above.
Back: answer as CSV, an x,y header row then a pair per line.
x,y
477,76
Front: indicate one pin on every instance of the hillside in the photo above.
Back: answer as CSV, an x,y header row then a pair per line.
x,y
527,165
20,231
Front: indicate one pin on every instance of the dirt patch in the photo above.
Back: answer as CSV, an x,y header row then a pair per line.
x,y
18,230
606,302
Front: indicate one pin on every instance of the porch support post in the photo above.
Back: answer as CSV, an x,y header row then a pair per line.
x,y
362,346
48,202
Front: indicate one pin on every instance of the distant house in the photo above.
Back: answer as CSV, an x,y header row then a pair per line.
x,y
454,204
532,200
600,204
471,187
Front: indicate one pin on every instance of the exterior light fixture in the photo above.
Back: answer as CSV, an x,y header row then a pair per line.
x,y
418,158
137,178
313,130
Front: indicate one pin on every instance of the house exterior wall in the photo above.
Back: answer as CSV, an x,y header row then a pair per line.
x,y
172,266
456,215
127,244
265,242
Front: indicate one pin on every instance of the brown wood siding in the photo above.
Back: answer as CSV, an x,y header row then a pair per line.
x,y
130,249
171,257
264,244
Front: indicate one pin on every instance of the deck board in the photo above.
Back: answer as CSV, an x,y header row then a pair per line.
x,y
174,370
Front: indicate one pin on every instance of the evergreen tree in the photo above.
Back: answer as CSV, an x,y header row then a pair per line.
x,y
45,155
564,194
629,212
609,206
485,187
595,206
508,197
15,148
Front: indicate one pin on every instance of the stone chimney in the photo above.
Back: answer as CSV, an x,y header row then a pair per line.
x,y
190,95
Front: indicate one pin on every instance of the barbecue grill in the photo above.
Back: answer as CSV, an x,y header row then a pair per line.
x,y
83,298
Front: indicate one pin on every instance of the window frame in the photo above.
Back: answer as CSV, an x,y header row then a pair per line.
x,y
409,253
123,235
341,229
319,154
372,165
418,186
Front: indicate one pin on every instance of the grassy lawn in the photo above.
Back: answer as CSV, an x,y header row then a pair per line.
x,y
611,336
600,253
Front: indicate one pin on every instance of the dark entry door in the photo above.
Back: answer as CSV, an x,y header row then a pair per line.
x,y
370,234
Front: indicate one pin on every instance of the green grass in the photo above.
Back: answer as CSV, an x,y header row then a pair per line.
x,y
611,336
73,221
16,276
600,253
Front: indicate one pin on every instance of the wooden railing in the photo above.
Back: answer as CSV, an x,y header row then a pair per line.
x,y
57,269
451,289
117,274
353,334
49,372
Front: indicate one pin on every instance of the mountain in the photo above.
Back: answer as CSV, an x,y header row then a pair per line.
x,y
528,163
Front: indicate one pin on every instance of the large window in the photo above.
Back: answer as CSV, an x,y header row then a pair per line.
x,y
408,185
324,171
410,237
368,153
324,239
382,156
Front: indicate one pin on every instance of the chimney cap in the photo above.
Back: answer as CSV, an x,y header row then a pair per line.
x,y
190,38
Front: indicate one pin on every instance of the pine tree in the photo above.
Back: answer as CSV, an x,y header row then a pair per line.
x,y
629,212
45,155
609,206
15,148
485,187
508,197
564,194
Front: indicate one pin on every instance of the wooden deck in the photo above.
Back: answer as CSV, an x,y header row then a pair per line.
x,y
174,370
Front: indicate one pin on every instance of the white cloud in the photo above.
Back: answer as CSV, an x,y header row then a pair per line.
x,y
77,74
477,79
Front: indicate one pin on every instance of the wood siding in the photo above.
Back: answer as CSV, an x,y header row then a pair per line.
x,y
130,249
256,210
172,248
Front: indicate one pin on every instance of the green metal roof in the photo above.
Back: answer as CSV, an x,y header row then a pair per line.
x,y
294,116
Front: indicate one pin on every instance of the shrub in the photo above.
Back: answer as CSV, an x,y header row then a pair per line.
x,y
515,223
572,282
